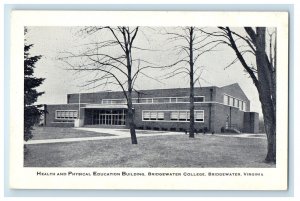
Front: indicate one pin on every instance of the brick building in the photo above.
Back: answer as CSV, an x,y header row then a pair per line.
x,y
216,109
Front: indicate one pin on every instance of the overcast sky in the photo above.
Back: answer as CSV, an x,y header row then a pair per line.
x,y
50,42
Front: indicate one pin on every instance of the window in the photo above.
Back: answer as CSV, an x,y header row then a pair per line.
x,y
146,115
241,105
226,99
160,115
146,100
199,116
184,115
174,115
199,99
58,114
182,99
153,115
114,101
236,103
135,100
244,106
66,114
155,100
161,100
173,100
106,101
230,101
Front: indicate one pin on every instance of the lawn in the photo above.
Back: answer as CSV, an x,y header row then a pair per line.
x,y
42,133
155,151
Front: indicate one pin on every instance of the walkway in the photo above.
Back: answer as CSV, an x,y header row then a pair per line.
x,y
124,133
118,133
245,135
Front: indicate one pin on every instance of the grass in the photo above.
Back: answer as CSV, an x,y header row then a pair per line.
x,y
42,133
155,151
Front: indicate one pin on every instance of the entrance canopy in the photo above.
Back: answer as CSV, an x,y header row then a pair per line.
x,y
104,106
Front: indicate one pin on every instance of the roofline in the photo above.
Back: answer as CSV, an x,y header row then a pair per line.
x,y
186,88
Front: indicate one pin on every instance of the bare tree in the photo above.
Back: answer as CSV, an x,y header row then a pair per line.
x,y
263,74
191,45
112,61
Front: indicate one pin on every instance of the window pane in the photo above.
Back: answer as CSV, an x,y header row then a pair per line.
x,y
230,101
236,103
105,102
173,100
58,114
146,100
146,115
142,100
161,100
160,115
199,116
155,100
153,115
225,100
244,106
180,100
75,114
174,115
199,99
182,116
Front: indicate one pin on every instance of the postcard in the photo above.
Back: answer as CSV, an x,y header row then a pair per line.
x,y
157,100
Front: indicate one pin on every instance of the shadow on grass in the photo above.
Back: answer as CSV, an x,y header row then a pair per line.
x,y
155,151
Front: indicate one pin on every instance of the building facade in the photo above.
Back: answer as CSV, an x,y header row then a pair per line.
x,y
216,109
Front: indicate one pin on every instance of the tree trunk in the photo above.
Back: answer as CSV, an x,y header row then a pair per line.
x,y
265,76
131,121
129,99
192,105
265,84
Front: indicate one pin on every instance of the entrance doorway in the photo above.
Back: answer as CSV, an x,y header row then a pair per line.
x,y
108,117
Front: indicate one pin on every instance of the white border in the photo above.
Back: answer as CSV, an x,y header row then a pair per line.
x,y
20,177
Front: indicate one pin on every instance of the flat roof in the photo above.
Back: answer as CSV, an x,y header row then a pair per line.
x,y
102,106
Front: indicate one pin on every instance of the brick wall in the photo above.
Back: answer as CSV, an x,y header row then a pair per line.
x,y
233,90
168,125
50,115
97,97
222,112
251,122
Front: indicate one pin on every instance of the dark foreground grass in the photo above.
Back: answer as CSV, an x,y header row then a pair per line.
x,y
42,133
154,151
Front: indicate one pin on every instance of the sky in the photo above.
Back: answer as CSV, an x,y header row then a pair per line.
x,y
53,42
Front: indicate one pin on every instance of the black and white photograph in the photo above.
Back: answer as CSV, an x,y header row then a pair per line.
x,y
144,100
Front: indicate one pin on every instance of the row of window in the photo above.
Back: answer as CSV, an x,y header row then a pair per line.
x,y
232,101
154,100
179,115
66,114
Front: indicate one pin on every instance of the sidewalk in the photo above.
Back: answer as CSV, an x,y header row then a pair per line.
x,y
124,133
119,133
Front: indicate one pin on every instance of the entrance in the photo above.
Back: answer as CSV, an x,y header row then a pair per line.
x,y
108,117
